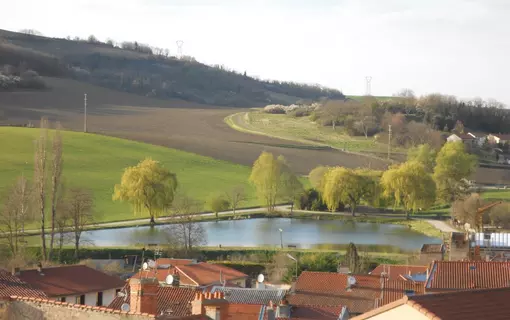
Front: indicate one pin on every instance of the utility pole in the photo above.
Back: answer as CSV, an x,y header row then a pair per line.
x,y
85,113
389,141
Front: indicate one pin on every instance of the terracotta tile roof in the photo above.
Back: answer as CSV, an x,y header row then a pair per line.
x,y
178,300
79,306
208,274
330,289
315,313
159,274
70,280
394,290
12,286
174,262
250,295
243,311
461,305
432,248
455,275
395,272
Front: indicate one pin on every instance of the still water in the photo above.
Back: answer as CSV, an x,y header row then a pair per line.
x,y
265,232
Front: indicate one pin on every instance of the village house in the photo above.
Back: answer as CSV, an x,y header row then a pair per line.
x,y
191,273
401,272
11,285
498,138
463,305
431,252
74,284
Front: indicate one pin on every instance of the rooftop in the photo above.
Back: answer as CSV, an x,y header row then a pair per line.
x,y
432,248
398,272
457,275
330,289
11,285
171,300
69,280
394,290
204,274
315,313
472,304
251,295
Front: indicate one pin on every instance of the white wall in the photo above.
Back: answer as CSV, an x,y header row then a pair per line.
x,y
91,299
108,296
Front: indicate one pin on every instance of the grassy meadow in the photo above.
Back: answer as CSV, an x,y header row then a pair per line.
x,y
97,162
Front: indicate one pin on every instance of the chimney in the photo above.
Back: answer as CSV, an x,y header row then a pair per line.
x,y
16,271
283,310
40,269
144,295
271,315
212,305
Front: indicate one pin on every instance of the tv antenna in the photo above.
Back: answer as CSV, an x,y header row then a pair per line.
x,y
179,43
125,307
368,85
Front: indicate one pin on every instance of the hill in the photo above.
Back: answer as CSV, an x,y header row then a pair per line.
x,y
139,69
96,162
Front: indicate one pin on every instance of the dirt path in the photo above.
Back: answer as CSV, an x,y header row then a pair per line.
x,y
441,225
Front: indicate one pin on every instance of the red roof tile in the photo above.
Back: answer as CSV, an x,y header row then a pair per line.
x,y
455,275
205,274
70,280
243,311
394,272
432,248
330,289
462,305
171,300
394,290
59,304
174,262
315,313
12,286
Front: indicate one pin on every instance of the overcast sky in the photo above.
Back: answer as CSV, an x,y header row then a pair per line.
x,y
459,47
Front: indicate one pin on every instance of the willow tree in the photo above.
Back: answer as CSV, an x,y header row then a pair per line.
x,y
148,187
332,192
453,167
410,185
273,179
316,177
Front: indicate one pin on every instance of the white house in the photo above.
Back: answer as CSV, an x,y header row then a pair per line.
x,y
74,284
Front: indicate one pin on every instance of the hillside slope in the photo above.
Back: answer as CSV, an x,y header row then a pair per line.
x,y
149,74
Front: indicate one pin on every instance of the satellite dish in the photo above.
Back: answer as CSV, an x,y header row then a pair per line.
x,y
125,307
260,278
169,279
121,294
145,266
351,280
152,264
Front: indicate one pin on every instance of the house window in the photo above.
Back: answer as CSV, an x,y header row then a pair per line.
x,y
99,301
80,299
62,299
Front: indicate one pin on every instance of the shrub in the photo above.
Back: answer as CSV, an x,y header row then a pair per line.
x,y
274,109
31,79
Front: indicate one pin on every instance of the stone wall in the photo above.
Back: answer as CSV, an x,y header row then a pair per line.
x,y
47,310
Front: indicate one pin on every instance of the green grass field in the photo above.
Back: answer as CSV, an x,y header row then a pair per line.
x,y
302,130
97,162
497,194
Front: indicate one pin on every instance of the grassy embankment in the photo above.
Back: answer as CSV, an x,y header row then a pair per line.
x,y
97,162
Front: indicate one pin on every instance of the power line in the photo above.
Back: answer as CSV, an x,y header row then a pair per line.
x,y
84,112
389,141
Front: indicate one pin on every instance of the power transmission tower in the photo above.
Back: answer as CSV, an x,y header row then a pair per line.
x,y
84,112
179,43
368,85
389,141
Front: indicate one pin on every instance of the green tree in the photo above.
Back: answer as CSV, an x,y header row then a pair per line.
x,y
270,176
148,187
453,167
410,186
291,187
352,258
423,154
332,194
217,203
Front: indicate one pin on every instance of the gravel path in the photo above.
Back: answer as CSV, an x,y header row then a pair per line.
x,y
441,225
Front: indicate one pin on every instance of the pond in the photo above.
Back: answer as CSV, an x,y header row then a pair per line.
x,y
303,233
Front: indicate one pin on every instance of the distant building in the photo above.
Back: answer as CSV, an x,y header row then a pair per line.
x,y
401,272
431,252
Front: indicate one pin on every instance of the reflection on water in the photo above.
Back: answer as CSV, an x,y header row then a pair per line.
x,y
264,232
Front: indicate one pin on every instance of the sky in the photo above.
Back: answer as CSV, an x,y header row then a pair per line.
x,y
457,47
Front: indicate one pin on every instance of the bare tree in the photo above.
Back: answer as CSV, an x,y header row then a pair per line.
x,y
187,233
235,196
62,222
79,206
56,173
40,172
14,215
